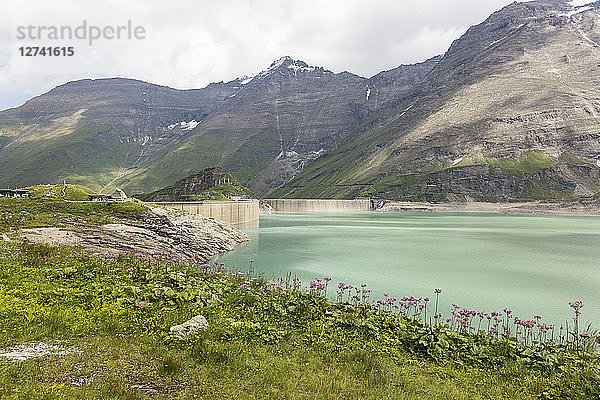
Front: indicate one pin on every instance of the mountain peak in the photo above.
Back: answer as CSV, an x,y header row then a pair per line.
x,y
286,63
281,61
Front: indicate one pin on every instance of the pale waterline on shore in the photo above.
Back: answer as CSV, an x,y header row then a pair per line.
x,y
533,208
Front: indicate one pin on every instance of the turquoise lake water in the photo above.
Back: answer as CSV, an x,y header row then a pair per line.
x,y
531,264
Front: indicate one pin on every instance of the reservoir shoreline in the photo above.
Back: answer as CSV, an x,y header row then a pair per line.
x,y
583,209
534,208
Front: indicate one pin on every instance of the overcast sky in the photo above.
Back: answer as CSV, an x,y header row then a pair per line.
x,y
190,43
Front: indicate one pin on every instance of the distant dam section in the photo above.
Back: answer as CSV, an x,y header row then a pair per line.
x,y
232,212
318,205
247,211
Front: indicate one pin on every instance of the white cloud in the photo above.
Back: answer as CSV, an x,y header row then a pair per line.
x,y
192,43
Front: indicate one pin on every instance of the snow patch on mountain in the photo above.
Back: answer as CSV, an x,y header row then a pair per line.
x,y
297,68
188,126
185,126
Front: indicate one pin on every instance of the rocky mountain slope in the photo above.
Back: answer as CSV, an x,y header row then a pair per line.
x,y
510,112
95,130
141,137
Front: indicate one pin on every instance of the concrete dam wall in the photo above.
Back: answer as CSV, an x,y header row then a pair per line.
x,y
314,205
232,212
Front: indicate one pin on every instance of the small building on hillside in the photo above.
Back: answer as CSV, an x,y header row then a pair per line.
x,y
15,193
104,197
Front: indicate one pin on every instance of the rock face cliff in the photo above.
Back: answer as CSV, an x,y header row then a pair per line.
x,y
511,112
140,137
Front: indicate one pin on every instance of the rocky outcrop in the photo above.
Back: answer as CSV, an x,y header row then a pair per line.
x,y
483,182
221,181
264,207
156,232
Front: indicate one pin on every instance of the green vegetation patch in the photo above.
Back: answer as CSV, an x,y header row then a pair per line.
x,y
12,130
111,316
203,179
64,192
529,162
254,155
546,190
45,160
329,183
391,183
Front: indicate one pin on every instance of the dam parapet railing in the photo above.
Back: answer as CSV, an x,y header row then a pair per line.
x,y
320,205
233,212
247,211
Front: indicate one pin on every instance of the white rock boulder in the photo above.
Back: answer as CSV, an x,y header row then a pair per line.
x,y
193,325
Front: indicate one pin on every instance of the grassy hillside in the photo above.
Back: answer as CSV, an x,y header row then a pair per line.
x,y
110,317
50,207
61,191
65,149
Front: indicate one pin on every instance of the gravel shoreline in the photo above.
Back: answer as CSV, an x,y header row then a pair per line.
x,y
534,208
